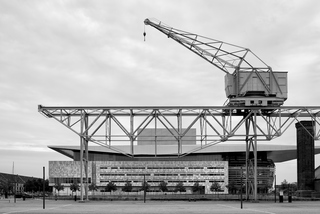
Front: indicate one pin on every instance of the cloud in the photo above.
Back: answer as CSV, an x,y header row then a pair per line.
x,y
28,163
63,53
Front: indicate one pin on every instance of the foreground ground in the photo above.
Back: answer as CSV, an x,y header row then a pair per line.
x,y
156,207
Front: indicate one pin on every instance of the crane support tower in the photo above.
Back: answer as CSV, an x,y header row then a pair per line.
x,y
248,80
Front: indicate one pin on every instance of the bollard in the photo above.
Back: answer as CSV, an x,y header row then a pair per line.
x,y
281,199
281,196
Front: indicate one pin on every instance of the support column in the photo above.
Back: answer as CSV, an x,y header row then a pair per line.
x,y
255,194
179,117
81,161
247,158
131,133
86,159
305,155
252,157
108,130
155,134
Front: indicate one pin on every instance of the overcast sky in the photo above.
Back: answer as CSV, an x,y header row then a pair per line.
x,y
68,53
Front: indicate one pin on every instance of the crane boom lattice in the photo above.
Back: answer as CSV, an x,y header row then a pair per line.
x,y
248,80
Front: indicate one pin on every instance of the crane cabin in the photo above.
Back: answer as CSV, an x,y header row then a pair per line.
x,y
256,89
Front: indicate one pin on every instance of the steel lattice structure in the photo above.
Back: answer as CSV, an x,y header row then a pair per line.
x,y
107,125
112,126
246,73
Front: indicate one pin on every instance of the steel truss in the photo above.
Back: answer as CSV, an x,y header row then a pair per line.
x,y
113,126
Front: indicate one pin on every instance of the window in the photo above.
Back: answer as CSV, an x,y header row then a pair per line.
x,y
195,167
136,174
186,174
69,180
213,174
112,174
103,167
215,167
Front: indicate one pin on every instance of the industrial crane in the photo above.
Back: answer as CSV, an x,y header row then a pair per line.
x,y
248,80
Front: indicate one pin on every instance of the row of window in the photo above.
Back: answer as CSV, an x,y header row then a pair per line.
x,y
117,174
68,180
115,167
158,181
215,167
164,167
169,174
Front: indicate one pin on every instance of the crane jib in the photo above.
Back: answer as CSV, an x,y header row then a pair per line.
x,y
248,80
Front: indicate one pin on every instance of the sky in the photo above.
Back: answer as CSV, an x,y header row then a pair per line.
x,y
93,53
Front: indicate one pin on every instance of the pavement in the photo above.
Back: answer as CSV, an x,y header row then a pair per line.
x,y
156,207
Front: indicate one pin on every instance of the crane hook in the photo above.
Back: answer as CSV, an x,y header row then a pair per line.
x,y
144,33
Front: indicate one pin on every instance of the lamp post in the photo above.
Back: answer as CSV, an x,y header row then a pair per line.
x,y
44,187
144,188
275,189
241,189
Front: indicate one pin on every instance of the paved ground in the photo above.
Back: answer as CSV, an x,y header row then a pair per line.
x,y
157,207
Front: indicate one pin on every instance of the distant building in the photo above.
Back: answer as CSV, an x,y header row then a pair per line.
x,y
14,182
221,163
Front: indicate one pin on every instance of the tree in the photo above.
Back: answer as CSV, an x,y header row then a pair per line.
x,y
145,186
29,186
33,185
215,187
58,186
5,187
264,188
287,187
74,187
163,186
47,187
231,187
36,185
180,187
293,187
284,186
196,187
39,184
111,187
127,187
93,187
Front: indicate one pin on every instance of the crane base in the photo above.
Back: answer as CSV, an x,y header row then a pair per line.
x,y
255,101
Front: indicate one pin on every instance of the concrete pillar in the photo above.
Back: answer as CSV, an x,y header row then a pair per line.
x,y
305,155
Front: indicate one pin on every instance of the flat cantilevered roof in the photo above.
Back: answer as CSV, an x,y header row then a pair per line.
x,y
278,153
